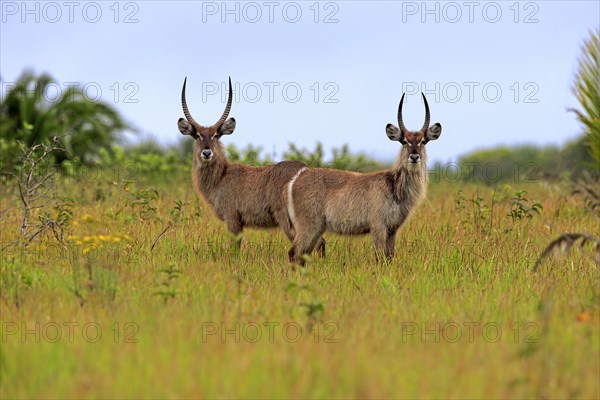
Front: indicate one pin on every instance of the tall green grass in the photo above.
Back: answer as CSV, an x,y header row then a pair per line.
x,y
457,314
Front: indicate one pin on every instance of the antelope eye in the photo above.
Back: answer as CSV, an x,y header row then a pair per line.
x,y
404,142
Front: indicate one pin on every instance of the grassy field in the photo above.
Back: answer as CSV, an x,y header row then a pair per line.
x,y
119,310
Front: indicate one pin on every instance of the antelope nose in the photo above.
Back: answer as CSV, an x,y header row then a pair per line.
x,y
206,153
414,158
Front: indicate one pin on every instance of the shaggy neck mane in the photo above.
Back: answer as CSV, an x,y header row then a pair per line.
x,y
410,184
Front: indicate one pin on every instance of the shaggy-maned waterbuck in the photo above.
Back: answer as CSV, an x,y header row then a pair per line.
x,y
320,200
240,195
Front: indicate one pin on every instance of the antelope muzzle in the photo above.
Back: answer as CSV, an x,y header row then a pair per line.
x,y
414,158
206,155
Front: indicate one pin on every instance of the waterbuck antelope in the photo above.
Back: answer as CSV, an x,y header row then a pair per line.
x,y
320,200
240,195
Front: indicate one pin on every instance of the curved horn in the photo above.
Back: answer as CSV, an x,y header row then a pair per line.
x,y
186,112
403,129
426,123
227,109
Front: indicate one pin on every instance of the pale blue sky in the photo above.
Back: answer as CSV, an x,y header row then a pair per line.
x,y
362,60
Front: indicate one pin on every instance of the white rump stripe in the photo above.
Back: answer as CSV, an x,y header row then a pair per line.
x,y
290,202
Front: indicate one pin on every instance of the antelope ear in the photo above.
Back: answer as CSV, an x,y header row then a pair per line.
x,y
393,132
186,128
227,128
433,132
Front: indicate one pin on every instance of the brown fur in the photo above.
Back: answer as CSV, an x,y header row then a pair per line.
x,y
242,195
353,203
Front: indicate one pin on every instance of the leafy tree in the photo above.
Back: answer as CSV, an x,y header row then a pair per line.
x,y
577,158
314,159
341,158
587,90
28,114
525,163
249,155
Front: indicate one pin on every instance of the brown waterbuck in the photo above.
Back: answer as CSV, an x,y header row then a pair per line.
x,y
240,195
320,200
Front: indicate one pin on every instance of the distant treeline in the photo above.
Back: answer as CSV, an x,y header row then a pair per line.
x,y
526,163
151,157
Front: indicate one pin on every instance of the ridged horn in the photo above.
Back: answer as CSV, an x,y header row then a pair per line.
x,y
426,123
227,108
403,129
186,112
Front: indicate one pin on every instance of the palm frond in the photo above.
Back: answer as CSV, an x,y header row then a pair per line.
x,y
564,243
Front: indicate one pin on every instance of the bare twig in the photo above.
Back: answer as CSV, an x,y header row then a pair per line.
x,y
30,185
